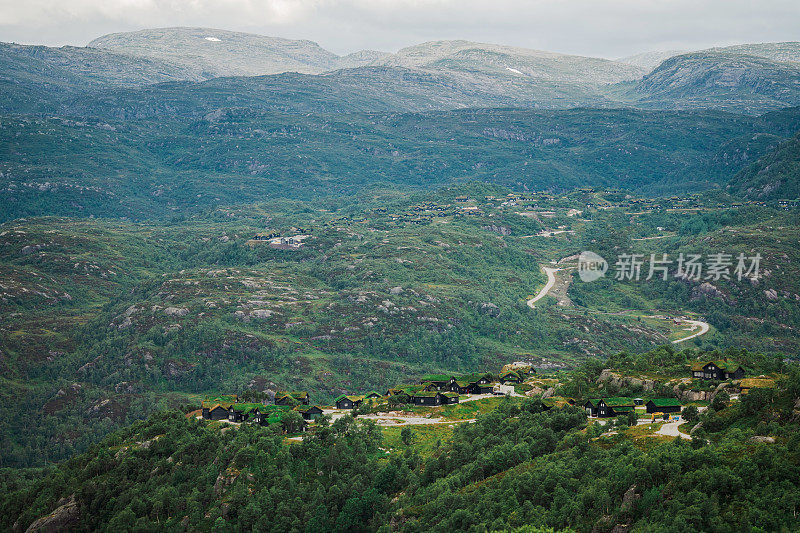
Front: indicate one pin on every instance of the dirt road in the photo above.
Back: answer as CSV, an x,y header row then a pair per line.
x,y
551,280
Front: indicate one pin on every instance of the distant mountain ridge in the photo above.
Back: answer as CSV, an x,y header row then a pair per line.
x,y
212,53
720,80
124,74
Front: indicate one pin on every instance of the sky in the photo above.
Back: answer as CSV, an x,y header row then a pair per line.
x,y
605,28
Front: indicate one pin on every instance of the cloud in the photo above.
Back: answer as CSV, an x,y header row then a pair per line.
x,y
594,27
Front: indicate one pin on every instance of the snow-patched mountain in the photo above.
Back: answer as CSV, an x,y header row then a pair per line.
x,y
498,60
212,53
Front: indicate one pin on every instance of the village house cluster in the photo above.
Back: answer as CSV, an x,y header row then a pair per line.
x,y
230,408
446,389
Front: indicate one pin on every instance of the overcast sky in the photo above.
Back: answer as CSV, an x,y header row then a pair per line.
x,y
608,28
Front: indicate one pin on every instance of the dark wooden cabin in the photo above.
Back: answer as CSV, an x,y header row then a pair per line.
x,y
719,370
290,398
309,412
427,398
348,402
664,405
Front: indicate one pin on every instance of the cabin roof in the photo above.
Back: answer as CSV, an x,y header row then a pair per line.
x,y
246,407
727,366
665,402
426,394
225,400
307,408
297,395
616,402
436,377
351,397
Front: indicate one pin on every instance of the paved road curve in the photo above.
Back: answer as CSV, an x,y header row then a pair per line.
x,y
551,280
694,323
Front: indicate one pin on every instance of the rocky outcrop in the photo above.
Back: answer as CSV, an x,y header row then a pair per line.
x,y
707,290
699,395
629,499
615,380
488,308
224,480
760,438
63,517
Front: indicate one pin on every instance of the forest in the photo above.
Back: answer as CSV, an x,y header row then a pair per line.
x,y
517,466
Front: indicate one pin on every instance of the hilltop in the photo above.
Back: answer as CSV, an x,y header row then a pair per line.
x,y
721,80
210,53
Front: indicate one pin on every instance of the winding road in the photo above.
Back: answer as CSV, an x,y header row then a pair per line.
x,y
704,326
551,280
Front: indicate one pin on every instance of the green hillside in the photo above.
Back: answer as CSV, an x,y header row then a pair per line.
x,y
775,176
227,155
517,467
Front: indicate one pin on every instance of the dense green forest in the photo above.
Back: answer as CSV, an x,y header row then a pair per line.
x,y
517,465
163,166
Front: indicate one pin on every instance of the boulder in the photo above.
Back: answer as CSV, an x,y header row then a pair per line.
x,y
63,518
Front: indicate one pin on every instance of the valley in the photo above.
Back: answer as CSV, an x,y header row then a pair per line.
x,y
250,284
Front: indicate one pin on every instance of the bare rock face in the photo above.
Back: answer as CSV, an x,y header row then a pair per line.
x,y
760,438
693,395
502,230
176,311
396,290
62,518
771,294
607,376
629,498
224,480
707,290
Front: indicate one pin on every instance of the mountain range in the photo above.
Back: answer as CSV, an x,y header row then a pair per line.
x,y
438,75
185,118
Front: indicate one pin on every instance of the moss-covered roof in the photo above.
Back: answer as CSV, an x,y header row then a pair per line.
x,y
225,400
426,394
750,383
436,377
450,394
247,407
665,402
297,395
616,402
475,376
307,408
727,366
351,397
